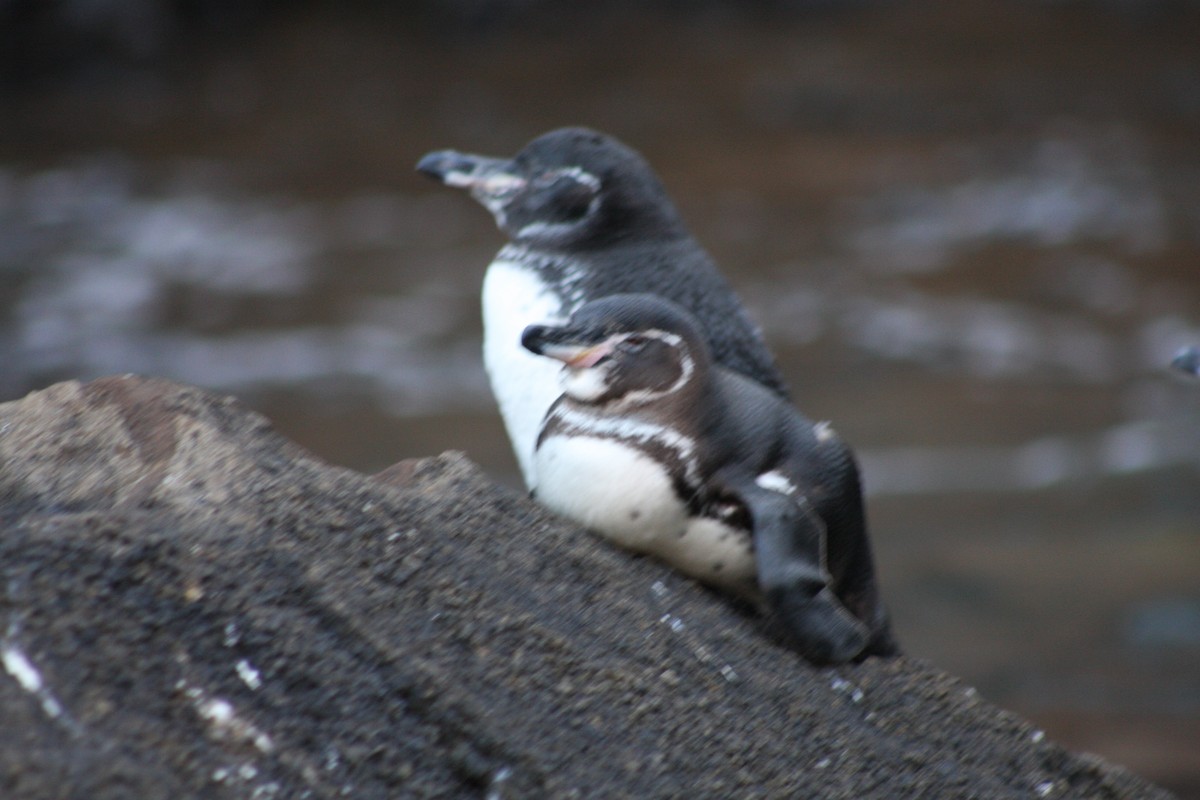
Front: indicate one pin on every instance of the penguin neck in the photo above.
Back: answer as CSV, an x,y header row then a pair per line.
x,y
534,257
558,278
621,228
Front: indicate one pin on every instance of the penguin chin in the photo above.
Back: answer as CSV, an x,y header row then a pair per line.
x,y
586,384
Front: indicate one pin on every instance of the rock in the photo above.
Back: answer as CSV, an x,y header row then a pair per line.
x,y
195,606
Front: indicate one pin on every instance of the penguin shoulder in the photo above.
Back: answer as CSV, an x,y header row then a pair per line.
x,y
762,432
746,417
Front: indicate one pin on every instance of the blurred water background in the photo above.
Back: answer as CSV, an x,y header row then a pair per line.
x,y
971,231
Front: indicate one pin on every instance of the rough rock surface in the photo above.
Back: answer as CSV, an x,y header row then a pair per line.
x,y
195,607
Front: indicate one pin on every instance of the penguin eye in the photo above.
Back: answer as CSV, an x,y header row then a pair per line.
x,y
564,195
635,342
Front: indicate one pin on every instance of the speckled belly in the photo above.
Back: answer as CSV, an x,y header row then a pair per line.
x,y
615,489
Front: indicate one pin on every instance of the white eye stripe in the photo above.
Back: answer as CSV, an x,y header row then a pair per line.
x,y
589,385
580,176
550,230
686,365
653,333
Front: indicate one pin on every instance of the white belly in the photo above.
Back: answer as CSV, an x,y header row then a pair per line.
x,y
627,497
524,384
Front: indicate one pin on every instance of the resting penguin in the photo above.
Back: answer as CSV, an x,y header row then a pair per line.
x,y
586,217
664,452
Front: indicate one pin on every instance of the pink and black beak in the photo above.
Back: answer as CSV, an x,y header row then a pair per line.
x,y
577,349
489,180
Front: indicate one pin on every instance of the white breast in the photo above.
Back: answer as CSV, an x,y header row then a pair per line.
x,y
524,384
618,491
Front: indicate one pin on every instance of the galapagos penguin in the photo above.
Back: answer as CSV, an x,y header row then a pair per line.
x,y
663,451
586,217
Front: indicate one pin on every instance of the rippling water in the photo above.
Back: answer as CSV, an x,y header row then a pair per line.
x,y
973,241
198,283
194,279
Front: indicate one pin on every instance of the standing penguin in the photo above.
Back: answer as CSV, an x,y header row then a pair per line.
x,y
586,218
664,452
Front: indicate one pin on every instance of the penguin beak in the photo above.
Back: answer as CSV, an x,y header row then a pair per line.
x,y
579,357
485,178
541,339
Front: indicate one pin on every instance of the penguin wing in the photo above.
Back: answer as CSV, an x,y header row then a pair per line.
x,y
789,553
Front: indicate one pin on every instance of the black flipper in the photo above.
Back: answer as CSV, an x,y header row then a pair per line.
x,y
789,552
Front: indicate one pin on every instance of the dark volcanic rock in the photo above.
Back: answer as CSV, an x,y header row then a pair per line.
x,y
196,607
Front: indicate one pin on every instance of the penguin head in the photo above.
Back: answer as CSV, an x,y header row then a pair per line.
x,y
568,187
1187,362
630,348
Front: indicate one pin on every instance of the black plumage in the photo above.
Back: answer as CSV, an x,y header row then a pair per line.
x,y
588,214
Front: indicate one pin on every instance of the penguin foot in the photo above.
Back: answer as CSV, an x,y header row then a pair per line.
x,y
822,630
